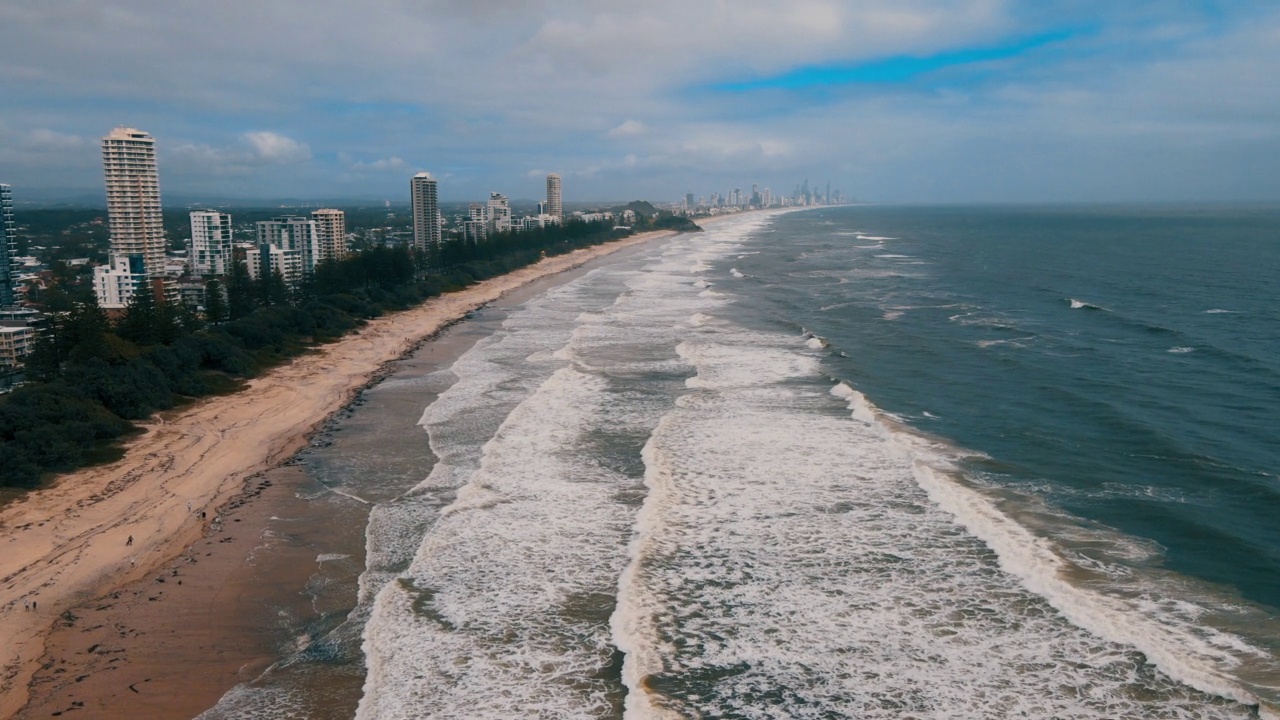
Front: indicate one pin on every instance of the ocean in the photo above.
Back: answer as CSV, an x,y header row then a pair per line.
x,y
861,461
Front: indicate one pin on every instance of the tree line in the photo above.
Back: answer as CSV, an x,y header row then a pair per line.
x,y
91,378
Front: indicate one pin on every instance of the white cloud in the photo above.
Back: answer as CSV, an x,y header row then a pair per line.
x,y
628,128
391,164
276,148
518,84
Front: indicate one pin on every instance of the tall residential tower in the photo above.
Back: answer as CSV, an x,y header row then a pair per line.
x,y
424,193
331,233
133,199
8,246
555,204
499,212
210,242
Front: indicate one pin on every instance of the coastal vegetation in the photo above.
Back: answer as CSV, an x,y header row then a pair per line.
x,y
92,377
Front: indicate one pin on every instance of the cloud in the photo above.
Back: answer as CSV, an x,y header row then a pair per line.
x,y
51,140
391,164
627,129
275,148
518,84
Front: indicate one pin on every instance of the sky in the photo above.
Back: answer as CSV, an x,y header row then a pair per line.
x,y
889,100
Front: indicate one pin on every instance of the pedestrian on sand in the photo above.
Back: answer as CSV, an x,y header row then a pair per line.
x,y
128,542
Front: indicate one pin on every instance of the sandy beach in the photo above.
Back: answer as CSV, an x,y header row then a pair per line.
x,y
162,527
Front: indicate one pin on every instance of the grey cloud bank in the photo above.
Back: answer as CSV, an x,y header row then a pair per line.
x,y
286,98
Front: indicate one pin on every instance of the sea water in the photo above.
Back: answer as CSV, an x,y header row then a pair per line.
x,y
855,462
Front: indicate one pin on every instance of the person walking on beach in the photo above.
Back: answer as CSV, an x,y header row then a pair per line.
x,y
129,542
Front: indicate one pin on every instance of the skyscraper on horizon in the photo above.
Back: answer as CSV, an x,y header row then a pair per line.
x,y
425,197
555,200
8,245
133,200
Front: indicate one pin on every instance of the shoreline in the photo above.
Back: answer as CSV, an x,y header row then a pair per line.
x,y
67,546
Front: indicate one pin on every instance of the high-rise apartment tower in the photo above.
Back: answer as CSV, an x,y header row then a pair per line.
x,y
499,212
8,246
424,193
331,233
555,200
210,242
133,200
297,237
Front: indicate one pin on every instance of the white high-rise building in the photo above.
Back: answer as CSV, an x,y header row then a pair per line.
x,y
115,282
8,246
499,212
424,193
133,198
298,239
555,201
331,232
210,242
474,227
265,259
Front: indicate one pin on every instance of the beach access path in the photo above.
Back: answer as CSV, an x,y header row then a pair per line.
x,y
105,527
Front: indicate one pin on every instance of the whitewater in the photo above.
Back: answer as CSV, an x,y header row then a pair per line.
x,y
644,506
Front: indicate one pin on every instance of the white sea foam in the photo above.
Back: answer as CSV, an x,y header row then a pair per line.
x,y
736,273
1181,350
1082,305
503,610
788,563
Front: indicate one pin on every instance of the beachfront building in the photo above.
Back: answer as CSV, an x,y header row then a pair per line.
x,y
475,227
210,243
265,259
499,213
133,213
555,202
331,233
8,247
16,342
115,282
297,239
133,197
425,197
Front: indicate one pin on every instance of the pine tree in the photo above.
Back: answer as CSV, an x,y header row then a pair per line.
x,y
215,303
275,290
86,331
140,321
241,293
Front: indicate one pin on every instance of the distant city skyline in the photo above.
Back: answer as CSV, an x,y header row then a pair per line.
x,y
902,100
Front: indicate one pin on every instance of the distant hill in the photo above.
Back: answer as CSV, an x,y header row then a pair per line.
x,y
643,208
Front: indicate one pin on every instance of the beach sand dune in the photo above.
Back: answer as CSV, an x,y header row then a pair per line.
x,y
96,531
